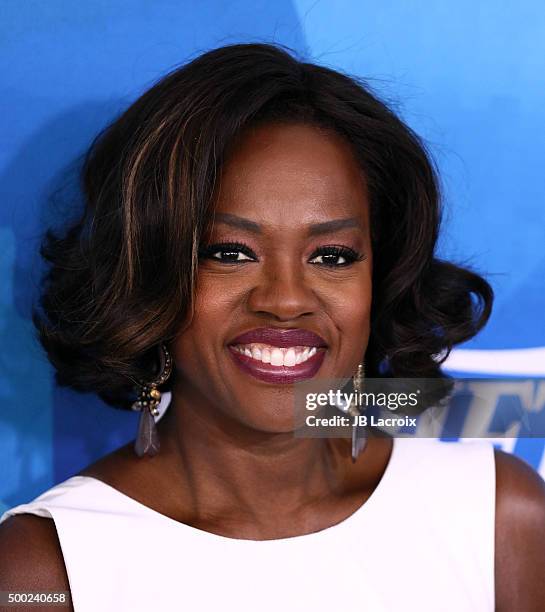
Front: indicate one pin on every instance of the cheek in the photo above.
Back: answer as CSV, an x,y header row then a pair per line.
x,y
215,302
350,310
353,319
350,304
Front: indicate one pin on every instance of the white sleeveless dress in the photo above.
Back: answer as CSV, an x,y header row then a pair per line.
x,y
423,542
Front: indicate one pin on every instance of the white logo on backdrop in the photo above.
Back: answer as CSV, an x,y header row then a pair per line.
x,y
508,362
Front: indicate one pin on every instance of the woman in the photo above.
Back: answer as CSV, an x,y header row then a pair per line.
x,y
253,221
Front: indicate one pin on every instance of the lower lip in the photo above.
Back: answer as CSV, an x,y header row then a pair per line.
x,y
279,374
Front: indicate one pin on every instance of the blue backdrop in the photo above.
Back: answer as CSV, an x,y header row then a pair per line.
x,y
468,77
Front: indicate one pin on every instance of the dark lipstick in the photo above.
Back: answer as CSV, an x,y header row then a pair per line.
x,y
275,338
282,338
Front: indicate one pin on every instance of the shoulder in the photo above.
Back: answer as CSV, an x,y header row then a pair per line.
x,y
30,555
520,495
520,535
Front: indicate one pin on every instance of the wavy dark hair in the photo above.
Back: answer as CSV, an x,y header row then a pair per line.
x,y
121,278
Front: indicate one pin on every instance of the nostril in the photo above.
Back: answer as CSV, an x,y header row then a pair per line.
x,y
282,304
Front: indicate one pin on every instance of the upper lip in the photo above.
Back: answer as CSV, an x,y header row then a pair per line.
x,y
281,338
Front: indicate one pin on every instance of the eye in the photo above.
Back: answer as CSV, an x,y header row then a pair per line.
x,y
335,256
228,252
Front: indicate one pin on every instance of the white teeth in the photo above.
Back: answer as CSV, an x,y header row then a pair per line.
x,y
277,357
287,357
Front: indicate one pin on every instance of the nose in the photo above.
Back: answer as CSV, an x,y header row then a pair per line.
x,y
283,293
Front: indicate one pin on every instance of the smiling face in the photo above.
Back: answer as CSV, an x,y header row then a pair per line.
x,y
284,282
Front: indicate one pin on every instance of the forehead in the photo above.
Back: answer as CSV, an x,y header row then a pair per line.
x,y
292,174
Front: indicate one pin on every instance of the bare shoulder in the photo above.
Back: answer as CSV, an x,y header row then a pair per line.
x,y
30,555
520,492
520,536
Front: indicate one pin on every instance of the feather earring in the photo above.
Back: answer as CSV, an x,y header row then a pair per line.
x,y
149,396
359,441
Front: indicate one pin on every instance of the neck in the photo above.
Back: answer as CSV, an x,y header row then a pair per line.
x,y
221,462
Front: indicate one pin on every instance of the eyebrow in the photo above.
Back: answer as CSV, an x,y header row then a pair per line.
x,y
240,222
315,229
333,226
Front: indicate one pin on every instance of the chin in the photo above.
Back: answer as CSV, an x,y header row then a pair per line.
x,y
275,417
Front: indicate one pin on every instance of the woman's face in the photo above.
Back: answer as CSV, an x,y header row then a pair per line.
x,y
284,283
